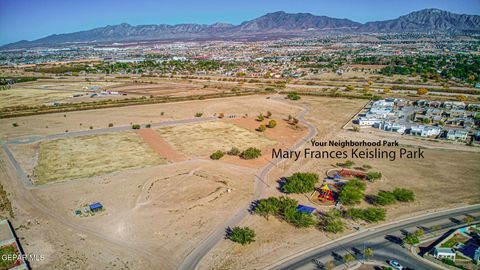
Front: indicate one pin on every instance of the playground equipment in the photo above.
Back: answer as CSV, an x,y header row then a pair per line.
x,y
325,193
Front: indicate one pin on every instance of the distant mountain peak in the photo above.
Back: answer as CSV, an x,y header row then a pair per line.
x,y
274,24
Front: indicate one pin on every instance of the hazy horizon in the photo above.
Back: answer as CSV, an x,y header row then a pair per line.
x,y
25,20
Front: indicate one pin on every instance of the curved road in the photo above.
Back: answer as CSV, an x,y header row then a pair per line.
x,y
376,238
194,258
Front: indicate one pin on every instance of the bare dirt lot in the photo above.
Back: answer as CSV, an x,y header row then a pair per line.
x,y
202,139
166,210
86,156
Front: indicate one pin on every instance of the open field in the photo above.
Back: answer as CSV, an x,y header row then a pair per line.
x,y
167,88
45,92
142,114
204,138
31,97
167,210
91,155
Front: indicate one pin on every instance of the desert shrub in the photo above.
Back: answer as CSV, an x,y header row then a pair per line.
x,y
372,176
198,114
293,96
422,91
15,124
216,155
148,125
272,124
91,127
300,182
110,125
269,114
135,126
234,151
260,117
241,235
251,153
261,128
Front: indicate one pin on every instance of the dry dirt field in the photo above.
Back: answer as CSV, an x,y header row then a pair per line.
x,y
90,155
31,97
81,120
45,92
202,139
445,178
165,210
167,88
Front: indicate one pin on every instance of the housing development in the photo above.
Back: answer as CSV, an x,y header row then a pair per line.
x,y
288,141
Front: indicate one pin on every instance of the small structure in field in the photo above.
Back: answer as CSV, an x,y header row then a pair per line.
x,y
94,207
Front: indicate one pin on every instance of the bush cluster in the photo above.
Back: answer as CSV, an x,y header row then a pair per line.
x,y
241,235
352,192
285,209
300,183
332,221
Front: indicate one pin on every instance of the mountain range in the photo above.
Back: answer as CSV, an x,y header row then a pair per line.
x,y
271,25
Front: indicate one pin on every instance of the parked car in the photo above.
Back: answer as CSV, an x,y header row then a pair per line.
x,y
395,264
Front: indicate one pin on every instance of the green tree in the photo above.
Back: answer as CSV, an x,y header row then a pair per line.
x,y
348,258
404,195
241,235
411,239
385,198
370,214
419,232
300,183
135,126
352,192
332,222
368,252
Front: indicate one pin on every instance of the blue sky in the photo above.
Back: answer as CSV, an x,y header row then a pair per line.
x,y
32,19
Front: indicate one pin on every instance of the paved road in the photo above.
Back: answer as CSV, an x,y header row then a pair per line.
x,y
377,239
194,258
